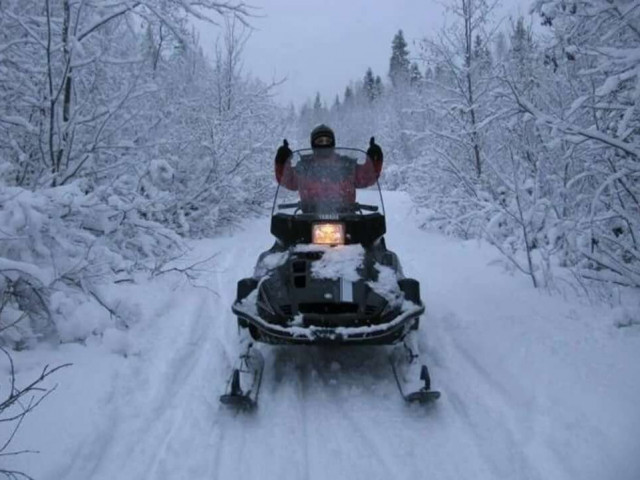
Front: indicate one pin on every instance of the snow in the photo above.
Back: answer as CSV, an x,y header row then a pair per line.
x,y
270,262
274,260
533,386
387,285
340,262
12,268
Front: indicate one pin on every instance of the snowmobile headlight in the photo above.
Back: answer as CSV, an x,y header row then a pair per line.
x,y
331,233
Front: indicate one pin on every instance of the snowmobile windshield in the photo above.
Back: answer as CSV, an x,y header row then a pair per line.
x,y
329,181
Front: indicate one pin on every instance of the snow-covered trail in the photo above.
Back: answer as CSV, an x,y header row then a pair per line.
x,y
534,387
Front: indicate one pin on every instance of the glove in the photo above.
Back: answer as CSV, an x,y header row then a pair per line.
x,y
375,152
284,153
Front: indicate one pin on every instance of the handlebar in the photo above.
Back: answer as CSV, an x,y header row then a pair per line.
x,y
367,208
356,206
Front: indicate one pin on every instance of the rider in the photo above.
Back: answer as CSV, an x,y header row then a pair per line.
x,y
326,175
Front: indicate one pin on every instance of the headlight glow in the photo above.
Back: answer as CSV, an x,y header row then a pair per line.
x,y
328,233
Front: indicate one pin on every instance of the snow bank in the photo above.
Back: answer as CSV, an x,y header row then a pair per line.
x,y
60,249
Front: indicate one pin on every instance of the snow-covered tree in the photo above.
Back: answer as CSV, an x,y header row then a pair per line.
x,y
594,50
369,85
464,81
116,133
526,138
399,63
415,75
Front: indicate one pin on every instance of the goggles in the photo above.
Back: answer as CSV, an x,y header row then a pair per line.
x,y
323,141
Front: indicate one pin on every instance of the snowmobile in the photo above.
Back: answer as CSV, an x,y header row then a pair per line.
x,y
329,278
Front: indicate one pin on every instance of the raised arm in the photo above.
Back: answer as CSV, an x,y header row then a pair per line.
x,y
285,175
368,173
375,154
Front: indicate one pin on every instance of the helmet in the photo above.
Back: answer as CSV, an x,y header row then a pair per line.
x,y
322,137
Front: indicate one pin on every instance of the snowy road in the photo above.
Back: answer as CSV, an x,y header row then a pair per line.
x,y
534,386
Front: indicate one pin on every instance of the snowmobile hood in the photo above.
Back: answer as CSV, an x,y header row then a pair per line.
x,y
333,292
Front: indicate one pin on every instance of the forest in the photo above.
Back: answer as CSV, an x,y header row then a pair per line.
x,y
121,142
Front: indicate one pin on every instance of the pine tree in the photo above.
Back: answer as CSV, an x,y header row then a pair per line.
x,y
481,55
522,51
348,95
415,76
399,61
317,104
428,74
336,104
500,47
378,87
320,112
369,85
520,36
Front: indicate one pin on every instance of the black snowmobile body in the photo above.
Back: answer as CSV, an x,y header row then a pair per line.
x,y
306,292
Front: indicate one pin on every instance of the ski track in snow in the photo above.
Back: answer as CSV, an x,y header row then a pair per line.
x,y
515,376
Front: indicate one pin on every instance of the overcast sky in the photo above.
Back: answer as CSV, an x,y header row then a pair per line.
x,y
319,46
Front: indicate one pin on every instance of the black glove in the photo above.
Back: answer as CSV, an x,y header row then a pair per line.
x,y
283,154
375,152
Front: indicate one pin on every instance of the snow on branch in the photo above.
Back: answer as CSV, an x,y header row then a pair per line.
x,y
17,403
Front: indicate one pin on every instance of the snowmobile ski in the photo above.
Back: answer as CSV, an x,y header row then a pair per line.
x,y
405,366
244,383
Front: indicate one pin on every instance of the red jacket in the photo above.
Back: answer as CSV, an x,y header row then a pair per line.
x,y
334,178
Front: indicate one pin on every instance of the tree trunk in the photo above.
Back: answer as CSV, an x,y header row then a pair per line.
x,y
67,91
467,9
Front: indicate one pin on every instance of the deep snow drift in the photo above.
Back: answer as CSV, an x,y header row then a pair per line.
x,y
534,386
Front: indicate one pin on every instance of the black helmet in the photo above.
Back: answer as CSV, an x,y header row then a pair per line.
x,y
322,137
